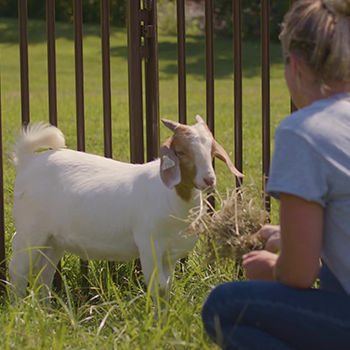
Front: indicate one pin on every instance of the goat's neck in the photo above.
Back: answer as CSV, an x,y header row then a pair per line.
x,y
185,191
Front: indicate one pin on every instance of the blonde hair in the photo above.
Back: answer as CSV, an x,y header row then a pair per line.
x,y
318,31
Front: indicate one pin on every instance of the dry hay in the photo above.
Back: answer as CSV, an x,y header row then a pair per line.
x,y
229,232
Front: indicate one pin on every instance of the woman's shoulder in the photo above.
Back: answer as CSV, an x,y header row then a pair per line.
x,y
319,118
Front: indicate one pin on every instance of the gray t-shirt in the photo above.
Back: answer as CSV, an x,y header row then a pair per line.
x,y
312,161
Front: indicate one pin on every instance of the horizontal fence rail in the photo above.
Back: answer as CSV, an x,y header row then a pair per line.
x,y
142,36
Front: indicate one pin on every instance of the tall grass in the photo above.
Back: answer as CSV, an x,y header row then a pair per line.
x,y
121,316
109,315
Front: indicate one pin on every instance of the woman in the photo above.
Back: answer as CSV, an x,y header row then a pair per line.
x,y
310,175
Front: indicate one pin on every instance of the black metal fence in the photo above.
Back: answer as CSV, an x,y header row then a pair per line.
x,y
142,23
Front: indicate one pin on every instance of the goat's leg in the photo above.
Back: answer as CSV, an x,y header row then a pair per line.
x,y
168,269
23,260
153,273
46,267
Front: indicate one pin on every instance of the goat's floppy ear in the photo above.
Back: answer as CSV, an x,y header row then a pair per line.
x,y
169,165
219,152
170,124
199,119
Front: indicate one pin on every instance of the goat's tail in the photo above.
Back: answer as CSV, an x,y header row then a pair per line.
x,y
36,136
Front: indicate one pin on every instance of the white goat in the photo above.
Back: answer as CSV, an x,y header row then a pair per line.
x,y
103,209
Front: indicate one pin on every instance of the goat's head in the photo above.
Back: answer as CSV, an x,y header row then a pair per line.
x,y
187,156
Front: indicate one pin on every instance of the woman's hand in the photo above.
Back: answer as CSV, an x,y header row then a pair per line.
x,y
259,265
272,235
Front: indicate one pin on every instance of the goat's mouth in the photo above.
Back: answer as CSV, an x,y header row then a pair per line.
x,y
206,189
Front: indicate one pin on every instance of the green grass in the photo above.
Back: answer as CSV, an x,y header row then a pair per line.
x,y
121,316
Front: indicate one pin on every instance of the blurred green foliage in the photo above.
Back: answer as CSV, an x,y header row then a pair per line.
x,y
222,14
250,17
64,10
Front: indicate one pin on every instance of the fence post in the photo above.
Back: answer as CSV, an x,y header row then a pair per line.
x,y
52,87
135,81
265,80
2,218
79,92
209,62
293,107
150,34
181,59
79,73
51,60
106,79
23,45
209,69
106,76
237,47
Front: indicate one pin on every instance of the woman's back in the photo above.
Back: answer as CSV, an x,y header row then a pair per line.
x,y
312,161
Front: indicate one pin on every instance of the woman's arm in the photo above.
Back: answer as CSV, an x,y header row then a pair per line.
x,y
301,225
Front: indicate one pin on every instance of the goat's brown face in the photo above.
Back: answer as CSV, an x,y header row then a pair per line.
x,y
192,149
194,153
193,145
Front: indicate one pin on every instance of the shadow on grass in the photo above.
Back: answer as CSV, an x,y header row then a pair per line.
x,y
195,49
9,31
223,57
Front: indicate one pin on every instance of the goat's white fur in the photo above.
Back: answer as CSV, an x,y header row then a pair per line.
x,y
92,206
97,208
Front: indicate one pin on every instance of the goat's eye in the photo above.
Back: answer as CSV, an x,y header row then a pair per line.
x,y
180,154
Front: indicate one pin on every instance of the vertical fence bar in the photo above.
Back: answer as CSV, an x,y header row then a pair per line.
x,y
265,80
106,82
79,73
152,83
293,107
79,95
52,86
209,66
106,73
51,60
181,59
237,71
2,217
135,82
23,45
181,65
209,47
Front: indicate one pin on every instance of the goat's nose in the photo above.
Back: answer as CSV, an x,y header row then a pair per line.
x,y
209,180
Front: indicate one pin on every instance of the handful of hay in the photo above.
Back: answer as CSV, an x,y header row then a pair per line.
x,y
230,231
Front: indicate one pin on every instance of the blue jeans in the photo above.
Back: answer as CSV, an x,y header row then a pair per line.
x,y
260,315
